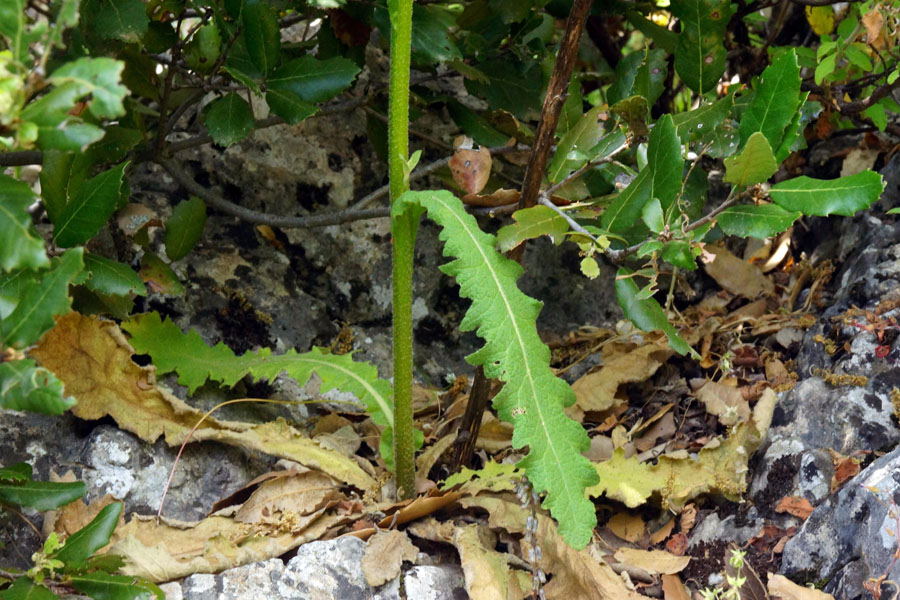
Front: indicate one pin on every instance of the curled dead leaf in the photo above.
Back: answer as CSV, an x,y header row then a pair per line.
x,y
471,168
384,555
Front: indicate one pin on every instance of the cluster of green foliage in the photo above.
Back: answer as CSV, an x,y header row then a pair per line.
x,y
690,79
71,565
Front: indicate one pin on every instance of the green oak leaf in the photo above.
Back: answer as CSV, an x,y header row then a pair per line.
x,y
185,227
22,247
822,197
776,101
111,277
531,223
758,221
700,54
755,164
646,313
229,119
89,210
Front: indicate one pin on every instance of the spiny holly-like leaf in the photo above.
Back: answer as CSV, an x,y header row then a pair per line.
x,y
533,398
822,197
184,227
22,247
776,101
92,206
195,362
755,163
40,298
229,119
759,221
111,277
83,543
25,386
531,223
646,313
700,55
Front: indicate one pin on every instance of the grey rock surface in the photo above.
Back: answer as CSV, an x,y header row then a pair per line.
x,y
853,535
444,582
324,570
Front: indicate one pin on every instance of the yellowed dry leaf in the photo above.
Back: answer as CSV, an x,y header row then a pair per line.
x,y
576,573
859,160
782,588
627,526
494,435
652,561
426,459
485,570
175,549
289,498
737,276
70,518
596,391
724,401
384,555
93,360
673,589
343,441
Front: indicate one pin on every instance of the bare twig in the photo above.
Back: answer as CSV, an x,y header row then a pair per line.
x,y
611,157
252,216
534,173
573,224
21,158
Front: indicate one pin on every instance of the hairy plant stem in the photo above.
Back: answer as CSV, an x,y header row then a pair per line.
x,y
403,232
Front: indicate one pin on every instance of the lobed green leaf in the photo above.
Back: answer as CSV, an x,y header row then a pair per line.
x,y
532,398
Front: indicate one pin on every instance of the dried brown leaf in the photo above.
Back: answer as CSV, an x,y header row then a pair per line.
x,y
292,496
471,168
782,588
93,360
485,570
795,505
653,561
384,555
737,276
673,589
725,402
627,526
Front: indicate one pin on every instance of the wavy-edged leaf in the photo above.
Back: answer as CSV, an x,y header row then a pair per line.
x,y
262,35
758,221
83,543
103,586
664,162
17,472
185,227
700,54
41,495
111,277
41,297
312,79
533,398
195,362
755,164
22,247
822,197
26,386
91,207
646,313
776,101
531,223
99,77
229,119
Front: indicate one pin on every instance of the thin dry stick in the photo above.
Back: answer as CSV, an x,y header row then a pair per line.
x,y
534,172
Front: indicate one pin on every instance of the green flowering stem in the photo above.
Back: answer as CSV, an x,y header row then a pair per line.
x,y
403,231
